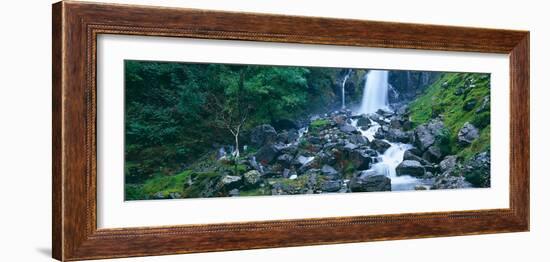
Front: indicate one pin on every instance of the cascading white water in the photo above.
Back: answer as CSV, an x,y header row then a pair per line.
x,y
375,96
389,161
344,88
375,92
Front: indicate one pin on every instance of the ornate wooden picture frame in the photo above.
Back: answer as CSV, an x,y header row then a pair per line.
x,y
76,26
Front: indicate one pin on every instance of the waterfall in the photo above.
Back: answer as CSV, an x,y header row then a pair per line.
x,y
389,161
344,88
375,92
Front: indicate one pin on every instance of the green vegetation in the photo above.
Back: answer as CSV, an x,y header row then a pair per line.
x,y
318,124
455,97
176,112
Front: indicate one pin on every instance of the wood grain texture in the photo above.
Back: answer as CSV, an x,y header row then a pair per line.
x,y
76,26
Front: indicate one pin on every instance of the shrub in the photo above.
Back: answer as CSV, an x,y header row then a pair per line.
x,y
482,120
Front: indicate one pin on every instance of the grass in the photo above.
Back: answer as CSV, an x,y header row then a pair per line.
x,y
317,125
444,98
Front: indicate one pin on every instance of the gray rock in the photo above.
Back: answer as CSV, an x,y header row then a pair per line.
x,y
409,155
290,149
448,163
380,145
285,160
326,157
230,182
307,166
433,154
314,140
267,154
361,159
425,134
397,135
364,121
263,135
384,113
447,181
331,186
420,187
395,123
347,128
350,146
477,170
329,171
158,195
175,195
302,160
411,168
357,139
286,173
369,181
339,119
234,192
252,178
485,105
467,134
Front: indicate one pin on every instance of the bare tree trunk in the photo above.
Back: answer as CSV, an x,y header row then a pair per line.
x,y
237,151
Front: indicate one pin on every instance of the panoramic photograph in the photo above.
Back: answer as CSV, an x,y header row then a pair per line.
x,y
201,130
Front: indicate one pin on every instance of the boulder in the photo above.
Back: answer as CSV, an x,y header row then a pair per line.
x,y
448,163
234,192
411,168
290,149
369,181
420,187
433,154
477,170
285,160
267,154
385,113
348,128
292,135
331,186
395,123
357,139
230,182
409,155
397,135
308,165
467,134
329,171
380,145
302,160
350,147
447,181
424,135
339,119
326,157
314,140
361,159
252,178
364,121
263,135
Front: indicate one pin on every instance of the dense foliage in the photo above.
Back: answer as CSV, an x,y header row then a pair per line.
x,y
175,112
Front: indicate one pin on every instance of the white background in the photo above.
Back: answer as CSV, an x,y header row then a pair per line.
x,y
114,212
25,147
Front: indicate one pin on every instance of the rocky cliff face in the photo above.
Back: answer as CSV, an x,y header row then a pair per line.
x,y
407,85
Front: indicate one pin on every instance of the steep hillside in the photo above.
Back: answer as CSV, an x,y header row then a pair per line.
x,y
457,98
